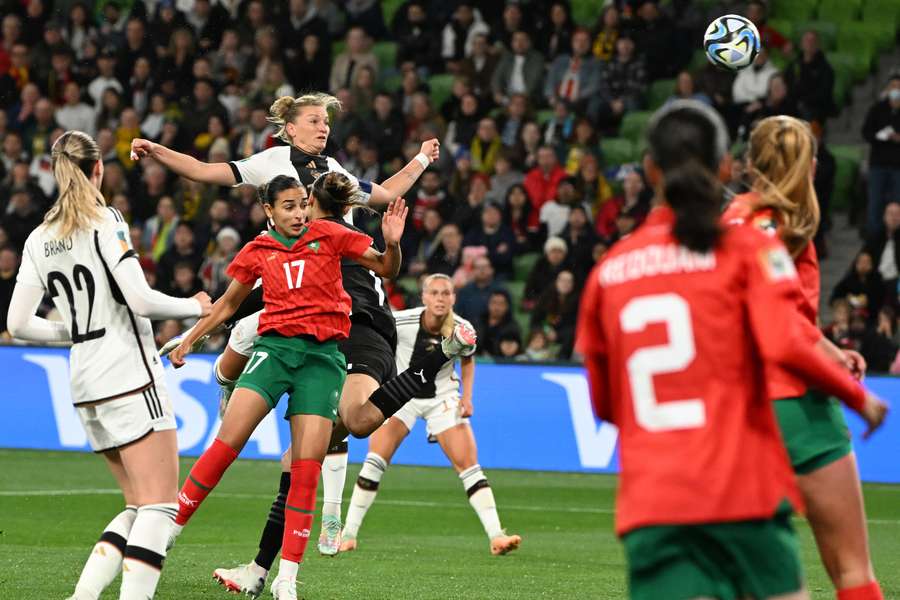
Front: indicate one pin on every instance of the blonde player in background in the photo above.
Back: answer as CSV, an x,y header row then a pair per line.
x,y
81,256
446,415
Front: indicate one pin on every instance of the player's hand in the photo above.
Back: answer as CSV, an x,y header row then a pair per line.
x,y
177,356
393,221
465,407
205,303
874,412
431,148
855,363
141,148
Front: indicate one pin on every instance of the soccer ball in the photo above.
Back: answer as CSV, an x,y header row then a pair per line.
x,y
731,42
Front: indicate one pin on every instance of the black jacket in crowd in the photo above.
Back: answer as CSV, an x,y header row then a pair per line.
x,y
884,154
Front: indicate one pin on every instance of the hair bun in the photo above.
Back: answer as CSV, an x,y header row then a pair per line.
x,y
280,107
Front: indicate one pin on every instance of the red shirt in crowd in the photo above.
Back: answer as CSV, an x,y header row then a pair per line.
x,y
302,286
675,344
541,188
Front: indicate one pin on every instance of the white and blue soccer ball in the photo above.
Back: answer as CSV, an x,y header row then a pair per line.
x,y
731,42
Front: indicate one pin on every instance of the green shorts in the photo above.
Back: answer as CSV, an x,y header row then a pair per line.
x,y
740,559
814,430
311,372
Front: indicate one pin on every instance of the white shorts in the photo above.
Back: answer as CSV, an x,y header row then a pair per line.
x,y
118,422
440,413
243,334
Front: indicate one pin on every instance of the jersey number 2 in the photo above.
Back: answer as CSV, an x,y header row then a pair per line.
x,y
293,283
84,282
672,311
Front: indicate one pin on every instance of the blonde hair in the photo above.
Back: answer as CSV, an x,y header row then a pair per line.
x,y
80,203
285,109
781,153
450,319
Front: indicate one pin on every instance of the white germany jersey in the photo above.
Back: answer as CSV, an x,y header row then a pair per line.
x,y
412,340
262,167
113,352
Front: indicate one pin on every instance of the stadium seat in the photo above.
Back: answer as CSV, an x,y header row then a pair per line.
x,y
857,40
523,264
633,125
827,31
883,33
523,320
783,26
585,12
441,88
516,291
544,115
794,10
389,8
847,160
843,81
881,11
659,92
392,83
698,61
337,47
386,53
839,11
854,66
617,151
409,284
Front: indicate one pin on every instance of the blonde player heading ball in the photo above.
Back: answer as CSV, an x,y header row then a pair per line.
x,y
81,256
446,415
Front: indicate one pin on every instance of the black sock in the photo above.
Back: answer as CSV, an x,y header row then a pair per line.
x,y
273,532
393,394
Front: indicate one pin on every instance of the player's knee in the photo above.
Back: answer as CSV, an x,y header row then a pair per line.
x,y
286,461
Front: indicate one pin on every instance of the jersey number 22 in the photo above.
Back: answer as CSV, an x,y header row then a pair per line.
x,y
645,363
84,282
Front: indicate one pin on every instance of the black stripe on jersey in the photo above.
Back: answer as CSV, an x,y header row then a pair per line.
x,y
236,173
117,294
116,214
128,254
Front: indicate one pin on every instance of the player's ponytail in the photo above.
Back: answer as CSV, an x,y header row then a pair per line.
x,y
334,192
79,203
687,140
781,155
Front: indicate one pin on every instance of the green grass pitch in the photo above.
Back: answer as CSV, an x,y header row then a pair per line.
x,y
421,539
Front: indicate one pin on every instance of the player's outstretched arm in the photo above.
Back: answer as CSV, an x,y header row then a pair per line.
x,y
182,164
150,303
223,308
23,324
387,263
401,181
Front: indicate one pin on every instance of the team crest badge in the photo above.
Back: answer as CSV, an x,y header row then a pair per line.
x,y
778,265
314,246
122,241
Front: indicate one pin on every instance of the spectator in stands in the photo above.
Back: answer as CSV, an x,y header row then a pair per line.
x,y
212,271
310,69
654,36
419,245
511,21
468,214
557,36
496,238
606,32
461,179
624,85
811,79
302,22
17,73
183,251
505,175
23,213
862,286
79,29
106,78
495,322
878,345
75,114
555,212
584,141
520,71
479,67
458,35
525,152
771,38
838,330
60,73
542,182
9,266
515,115
160,228
472,299
634,201
422,116
751,85
447,258
686,89
576,77
778,102
13,152
882,130
37,131
511,347
592,184
545,269
556,311
358,54
417,40
486,146
560,126
580,239
823,182
884,247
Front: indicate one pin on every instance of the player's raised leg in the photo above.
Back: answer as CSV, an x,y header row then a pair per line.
x,y
382,445
105,561
458,443
151,464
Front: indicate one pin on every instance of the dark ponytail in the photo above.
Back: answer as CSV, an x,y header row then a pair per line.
x,y
268,192
687,140
334,192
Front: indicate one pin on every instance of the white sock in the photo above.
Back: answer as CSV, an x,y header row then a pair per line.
x,y
105,560
334,477
364,493
482,500
288,570
146,550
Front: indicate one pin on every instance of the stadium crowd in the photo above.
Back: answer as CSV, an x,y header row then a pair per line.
x,y
520,205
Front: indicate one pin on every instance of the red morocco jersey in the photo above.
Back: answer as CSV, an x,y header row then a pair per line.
x,y
672,339
741,211
302,286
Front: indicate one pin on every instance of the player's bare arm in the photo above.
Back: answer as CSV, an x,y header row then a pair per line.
x,y
387,263
400,183
182,164
223,308
467,370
